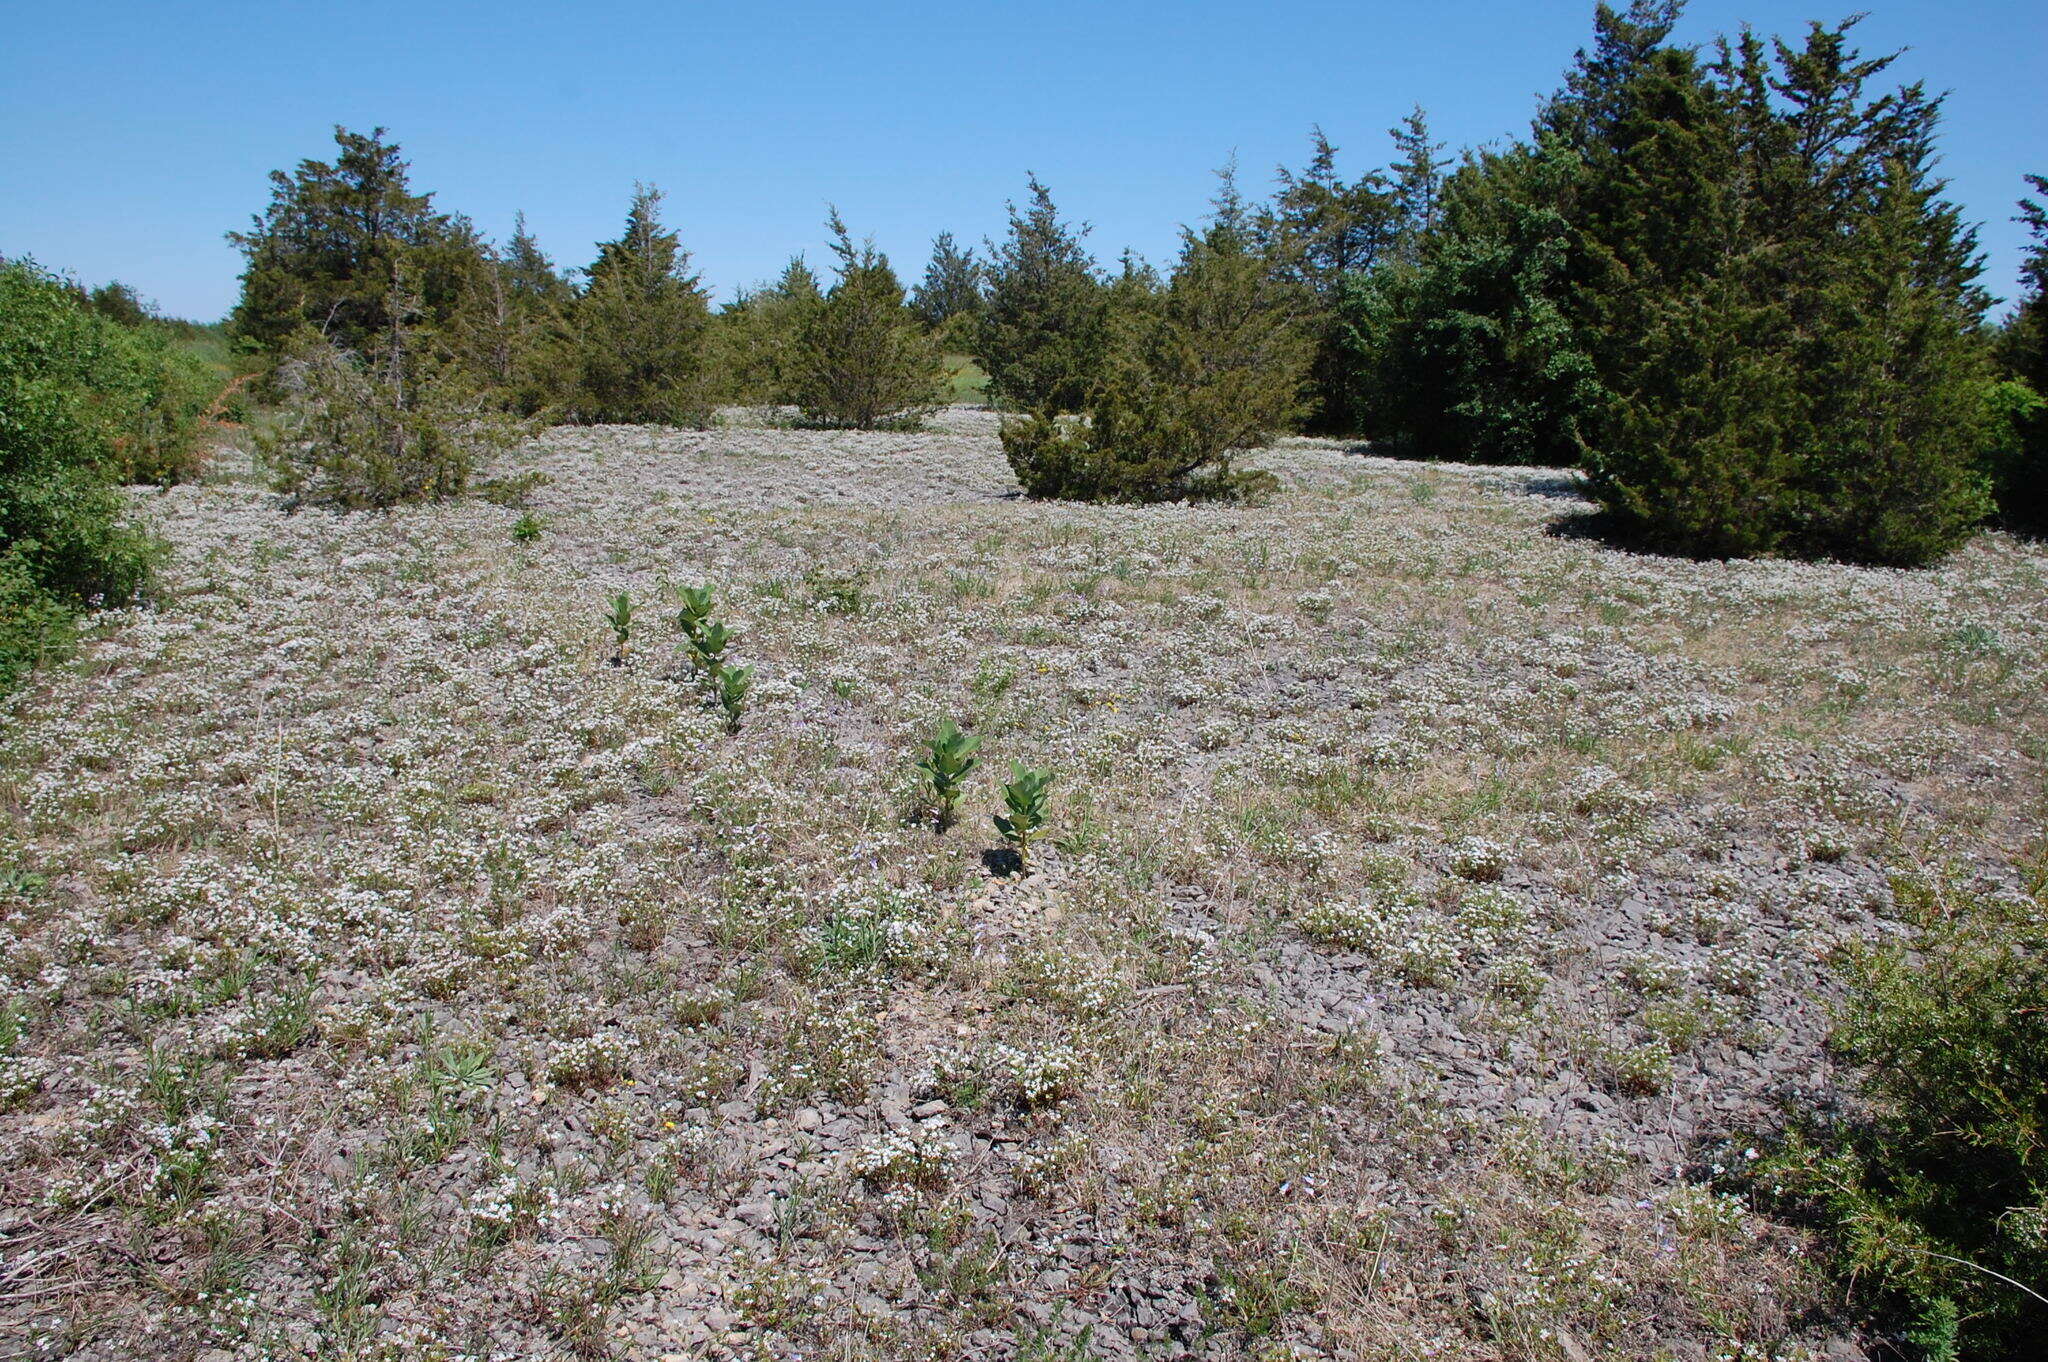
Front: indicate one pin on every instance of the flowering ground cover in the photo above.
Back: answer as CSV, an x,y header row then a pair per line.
x,y
1432,897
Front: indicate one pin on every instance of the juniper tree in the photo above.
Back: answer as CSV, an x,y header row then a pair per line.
x,y
1469,355
757,336
1042,335
1418,181
319,257
636,334
381,426
861,359
1324,233
1730,289
2020,473
952,288
505,330
1214,364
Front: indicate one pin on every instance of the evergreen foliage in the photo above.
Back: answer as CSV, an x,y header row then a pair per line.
x,y
319,258
757,336
1045,328
950,295
1321,231
72,384
502,331
1468,355
1727,287
1418,182
1934,1206
1211,365
636,337
2020,464
861,359
382,427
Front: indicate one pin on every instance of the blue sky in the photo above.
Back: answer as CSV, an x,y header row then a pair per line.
x,y
132,135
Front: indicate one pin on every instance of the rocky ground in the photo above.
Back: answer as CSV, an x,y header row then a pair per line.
x,y
1434,897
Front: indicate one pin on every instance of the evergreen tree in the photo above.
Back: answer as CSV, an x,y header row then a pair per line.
x,y
1418,181
1470,354
637,332
1042,334
529,273
503,330
1324,234
319,258
952,286
1211,365
2020,469
861,358
758,333
382,425
1729,289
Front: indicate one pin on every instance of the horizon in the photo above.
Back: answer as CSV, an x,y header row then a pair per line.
x,y
749,164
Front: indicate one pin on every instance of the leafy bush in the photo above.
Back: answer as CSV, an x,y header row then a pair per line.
x,y
1023,808
1213,365
2016,453
1936,1204
66,391
861,358
949,762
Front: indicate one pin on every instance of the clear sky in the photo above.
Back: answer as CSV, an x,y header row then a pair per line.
x,y
133,133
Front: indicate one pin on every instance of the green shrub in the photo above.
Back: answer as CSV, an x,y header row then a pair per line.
x,y
861,359
1213,365
66,396
2016,453
353,436
381,429
1042,333
636,349
1935,1202
35,623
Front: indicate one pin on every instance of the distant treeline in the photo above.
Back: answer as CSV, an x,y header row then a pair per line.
x,y
1722,281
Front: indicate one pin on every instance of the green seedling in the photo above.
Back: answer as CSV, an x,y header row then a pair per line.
x,y
1024,799
733,685
620,618
527,528
707,646
695,611
950,763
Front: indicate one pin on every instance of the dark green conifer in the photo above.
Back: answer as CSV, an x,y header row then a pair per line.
x,y
758,332
319,258
1042,334
637,333
2020,468
951,293
1212,365
861,358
